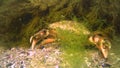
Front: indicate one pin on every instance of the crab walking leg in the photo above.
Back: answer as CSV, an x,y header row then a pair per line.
x,y
46,41
33,44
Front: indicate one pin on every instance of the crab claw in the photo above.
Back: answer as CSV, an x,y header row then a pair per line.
x,y
104,51
105,47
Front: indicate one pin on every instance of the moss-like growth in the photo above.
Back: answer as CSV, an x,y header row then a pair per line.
x,y
72,37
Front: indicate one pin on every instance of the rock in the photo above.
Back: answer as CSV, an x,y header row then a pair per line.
x,y
106,65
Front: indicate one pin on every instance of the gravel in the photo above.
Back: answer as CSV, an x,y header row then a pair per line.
x,y
26,58
51,57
